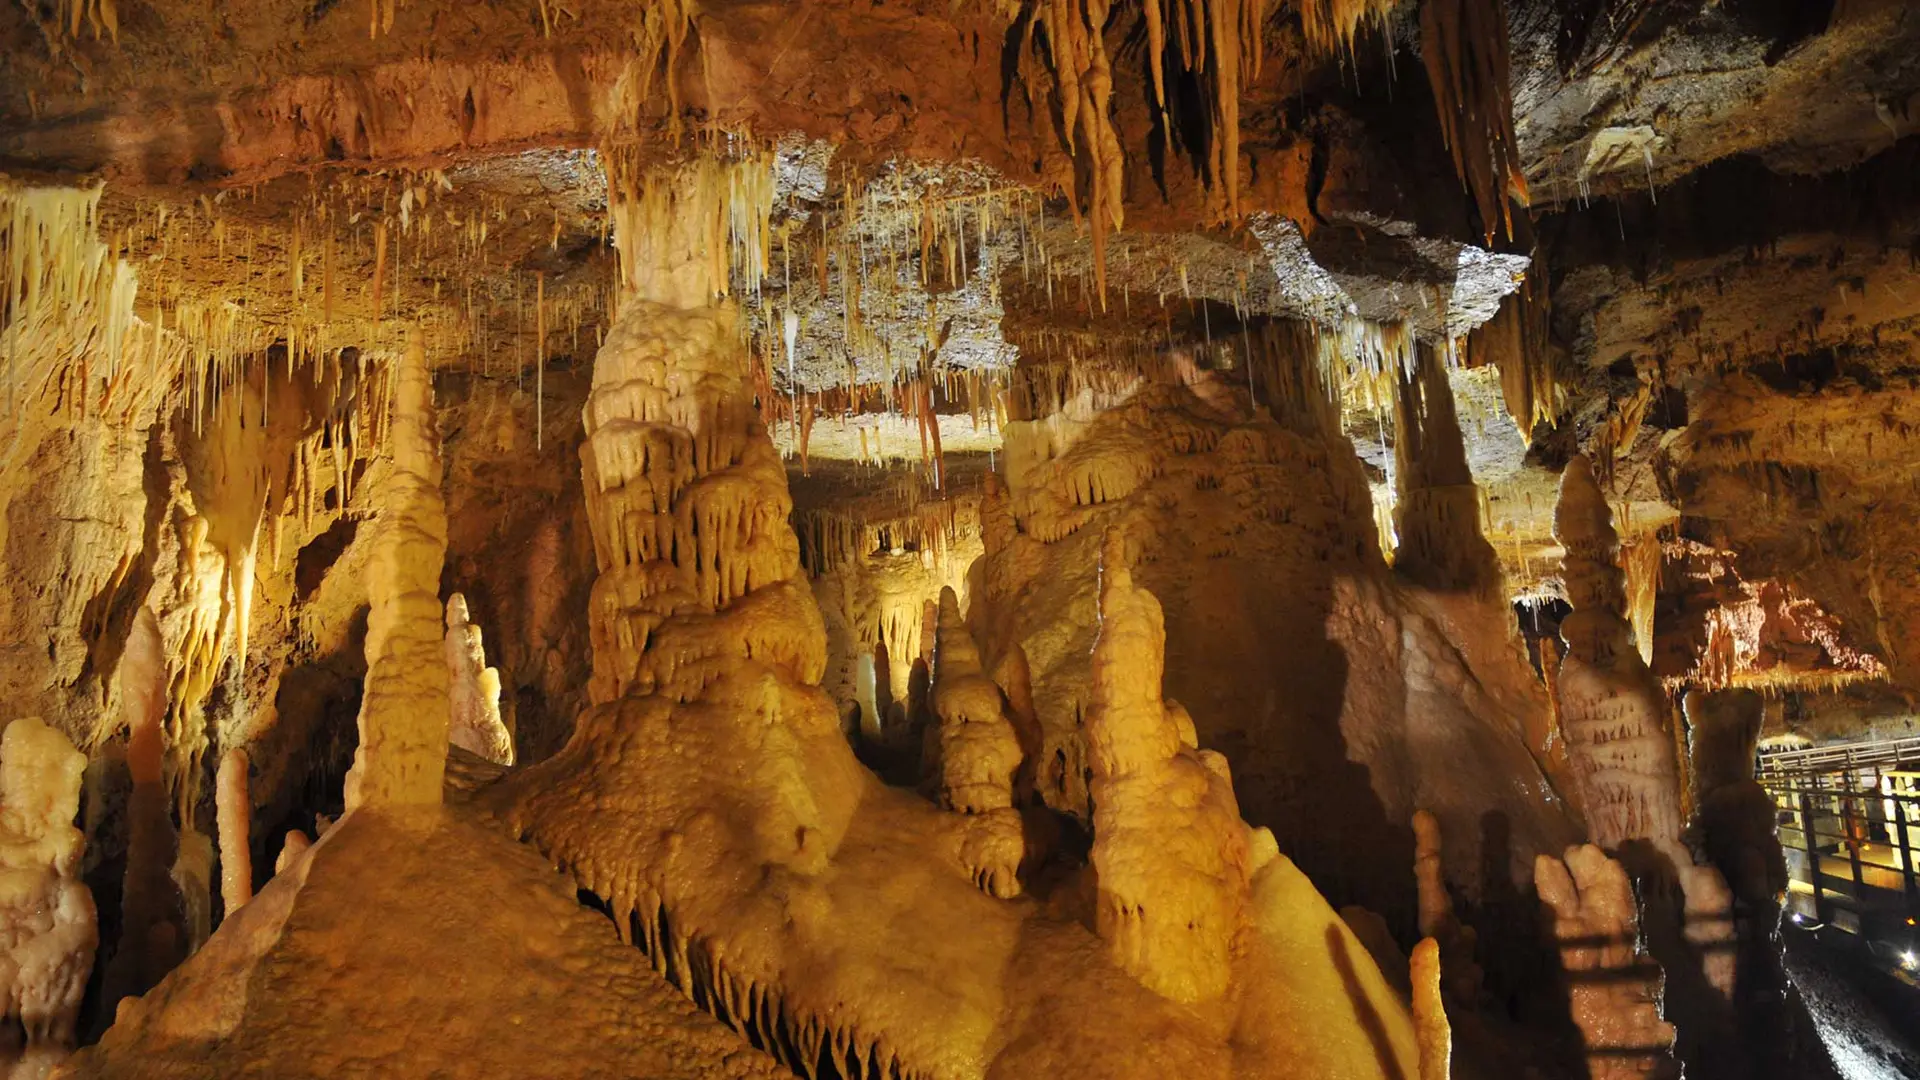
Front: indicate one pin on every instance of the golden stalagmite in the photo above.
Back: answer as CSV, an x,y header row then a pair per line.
x,y
404,710
235,818
976,753
46,911
1169,849
1430,1013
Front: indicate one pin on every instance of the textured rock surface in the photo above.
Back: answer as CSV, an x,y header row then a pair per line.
x,y
364,958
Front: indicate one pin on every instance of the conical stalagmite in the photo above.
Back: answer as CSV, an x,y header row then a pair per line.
x,y
1169,849
1612,709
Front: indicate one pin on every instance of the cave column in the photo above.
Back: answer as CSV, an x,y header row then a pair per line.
x,y
404,710
686,496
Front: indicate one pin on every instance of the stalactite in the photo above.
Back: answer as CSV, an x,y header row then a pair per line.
x,y
1515,342
404,711
235,822
1464,46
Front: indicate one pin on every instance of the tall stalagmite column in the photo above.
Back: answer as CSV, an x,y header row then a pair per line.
x,y
1169,848
402,756
1612,708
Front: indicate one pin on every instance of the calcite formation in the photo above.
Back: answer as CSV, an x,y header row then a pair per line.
x,y
473,690
1170,853
235,814
1596,923
46,951
1611,708
881,465
404,712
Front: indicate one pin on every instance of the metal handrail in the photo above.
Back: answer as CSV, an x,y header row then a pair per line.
x,y
1842,756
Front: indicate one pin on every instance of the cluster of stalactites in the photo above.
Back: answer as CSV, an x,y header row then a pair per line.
x,y
1514,341
684,231
53,266
1612,710
47,927
404,711
1464,46
1170,852
1331,26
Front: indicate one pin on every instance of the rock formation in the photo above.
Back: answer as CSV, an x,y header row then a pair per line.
x,y
46,952
404,712
1611,707
235,813
1169,849
473,690
1597,925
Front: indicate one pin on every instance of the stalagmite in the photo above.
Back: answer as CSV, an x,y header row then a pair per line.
x,y
291,848
1735,815
151,936
235,817
1612,709
473,690
1614,1002
404,711
47,928
1430,1013
1438,923
1169,848
978,753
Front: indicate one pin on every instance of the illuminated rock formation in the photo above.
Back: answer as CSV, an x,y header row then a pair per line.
x,y
473,690
235,816
47,914
1430,1013
404,711
152,937
1596,922
979,753
1612,709
1438,923
1169,849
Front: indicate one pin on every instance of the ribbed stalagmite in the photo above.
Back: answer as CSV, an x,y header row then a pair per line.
x,y
404,710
